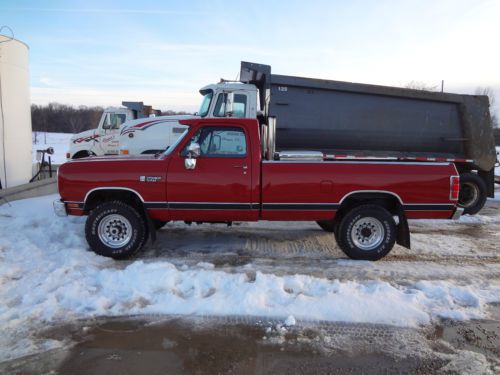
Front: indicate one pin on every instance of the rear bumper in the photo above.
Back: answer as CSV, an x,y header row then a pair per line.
x,y
458,213
59,208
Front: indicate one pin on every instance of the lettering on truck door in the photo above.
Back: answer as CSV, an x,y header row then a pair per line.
x,y
218,188
109,140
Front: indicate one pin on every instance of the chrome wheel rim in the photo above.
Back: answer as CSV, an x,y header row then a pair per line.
x,y
367,233
115,231
469,193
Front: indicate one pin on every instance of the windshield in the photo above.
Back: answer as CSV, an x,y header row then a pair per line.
x,y
168,151
205,104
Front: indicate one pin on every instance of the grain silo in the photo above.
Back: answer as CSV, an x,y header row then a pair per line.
x,y
15,113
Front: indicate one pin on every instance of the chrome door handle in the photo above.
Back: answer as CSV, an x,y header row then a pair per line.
x,y
241,166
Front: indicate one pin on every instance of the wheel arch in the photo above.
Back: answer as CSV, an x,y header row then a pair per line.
x,y
389,200
105,194
82,154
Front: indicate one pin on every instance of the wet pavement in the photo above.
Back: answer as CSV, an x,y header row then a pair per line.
x,y
246,345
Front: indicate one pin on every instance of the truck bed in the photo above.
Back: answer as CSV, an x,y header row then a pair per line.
x,y
320,187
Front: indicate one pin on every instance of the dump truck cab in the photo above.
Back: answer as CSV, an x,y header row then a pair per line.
x,y
104,139
229,99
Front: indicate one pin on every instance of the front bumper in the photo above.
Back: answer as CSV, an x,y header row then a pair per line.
x,y
458,212
60,208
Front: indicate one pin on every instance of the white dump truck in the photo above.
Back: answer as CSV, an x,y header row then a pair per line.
x,y
224,99
104,140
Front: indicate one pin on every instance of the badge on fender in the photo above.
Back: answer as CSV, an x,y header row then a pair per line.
x,y
149,178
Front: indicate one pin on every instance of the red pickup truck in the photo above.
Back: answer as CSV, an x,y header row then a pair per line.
x,y
224,170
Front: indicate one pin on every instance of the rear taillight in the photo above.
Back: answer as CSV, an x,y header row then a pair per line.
x,y
454,187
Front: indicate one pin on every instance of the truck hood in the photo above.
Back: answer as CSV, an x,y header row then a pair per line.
x,y
78,177
129,158
86,136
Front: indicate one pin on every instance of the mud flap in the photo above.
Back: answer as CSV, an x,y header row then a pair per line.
x,y
151,227
403,235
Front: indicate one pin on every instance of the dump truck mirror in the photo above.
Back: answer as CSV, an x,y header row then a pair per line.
x,y
229,104
193,150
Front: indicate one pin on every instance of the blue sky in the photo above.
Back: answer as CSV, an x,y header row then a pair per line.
x,y
162,52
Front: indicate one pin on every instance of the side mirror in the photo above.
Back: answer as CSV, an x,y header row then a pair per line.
x,y
190,163
193,151
229,104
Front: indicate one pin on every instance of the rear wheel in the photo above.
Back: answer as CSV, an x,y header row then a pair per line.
x,y
473,193
367,232
115,229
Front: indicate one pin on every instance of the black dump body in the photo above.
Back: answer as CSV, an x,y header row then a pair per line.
x,y
353,118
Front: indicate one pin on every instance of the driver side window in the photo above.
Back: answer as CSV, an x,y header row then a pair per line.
x,y
113,120
219,142
239,106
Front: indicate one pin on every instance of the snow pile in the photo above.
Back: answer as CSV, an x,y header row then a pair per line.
x,y
47,274
58,141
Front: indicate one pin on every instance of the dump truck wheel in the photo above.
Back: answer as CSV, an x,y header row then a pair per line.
x,y
367,232
115,229
83,154
472,195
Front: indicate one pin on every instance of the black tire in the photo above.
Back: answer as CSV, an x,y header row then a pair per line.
x,y
473,193
114,220
327,225
357,233
83,154
158,224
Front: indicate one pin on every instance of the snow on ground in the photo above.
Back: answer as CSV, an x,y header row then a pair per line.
x,y
47,276
58,141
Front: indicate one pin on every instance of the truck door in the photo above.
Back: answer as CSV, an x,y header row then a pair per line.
x,y
109,134
218,188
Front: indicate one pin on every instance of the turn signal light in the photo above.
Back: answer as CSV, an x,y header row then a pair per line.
x,y
124,152
454,187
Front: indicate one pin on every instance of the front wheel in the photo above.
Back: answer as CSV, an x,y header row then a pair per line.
x,y
367,232
115,229
472,196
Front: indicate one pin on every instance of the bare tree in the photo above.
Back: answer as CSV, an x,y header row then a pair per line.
x,y
169,112
76,124
419,85
488,91
56,117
